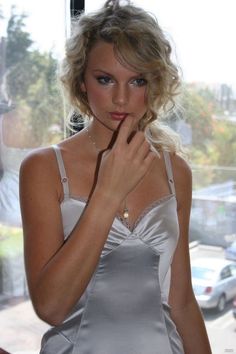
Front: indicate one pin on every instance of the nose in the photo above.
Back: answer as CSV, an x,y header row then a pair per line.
x,y
120,95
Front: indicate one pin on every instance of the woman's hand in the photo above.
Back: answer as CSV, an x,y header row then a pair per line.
x,y
126,163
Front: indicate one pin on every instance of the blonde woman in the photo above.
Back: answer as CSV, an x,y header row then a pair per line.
x,y
106,211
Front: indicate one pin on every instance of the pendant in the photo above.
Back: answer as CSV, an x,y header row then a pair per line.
x,y
126,213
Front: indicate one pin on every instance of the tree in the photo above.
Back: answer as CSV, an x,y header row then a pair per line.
x,y
198,108
18,40
31,81
214,140
223,144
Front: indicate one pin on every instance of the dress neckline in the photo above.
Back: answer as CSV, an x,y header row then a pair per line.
x,y
146,210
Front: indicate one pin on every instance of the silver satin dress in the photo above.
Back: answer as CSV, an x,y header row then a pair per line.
x,y
124,309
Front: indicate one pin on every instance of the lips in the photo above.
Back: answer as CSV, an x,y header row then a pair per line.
x,y
118,115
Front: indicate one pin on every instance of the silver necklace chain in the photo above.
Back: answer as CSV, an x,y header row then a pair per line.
x,y
91,139
125,212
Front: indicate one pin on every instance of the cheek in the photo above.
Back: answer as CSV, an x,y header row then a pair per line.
x,y
97,95
141,99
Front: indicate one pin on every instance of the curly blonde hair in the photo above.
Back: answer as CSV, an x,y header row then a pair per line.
x,y
138,42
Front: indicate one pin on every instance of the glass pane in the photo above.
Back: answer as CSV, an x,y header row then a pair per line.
x,y
31,116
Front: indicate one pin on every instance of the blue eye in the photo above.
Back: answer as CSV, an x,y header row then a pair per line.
x,y
139,82
104,80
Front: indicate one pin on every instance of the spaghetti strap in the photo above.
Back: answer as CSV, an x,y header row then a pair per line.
x,y
64,178
169,171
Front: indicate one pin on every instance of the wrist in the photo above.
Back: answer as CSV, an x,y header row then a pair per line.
x,y
106,200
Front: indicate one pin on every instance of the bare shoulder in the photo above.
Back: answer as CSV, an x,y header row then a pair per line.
x,y
38,161
181,169
40,168
39,173
182,177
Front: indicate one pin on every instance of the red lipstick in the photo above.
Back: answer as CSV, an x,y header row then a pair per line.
x,y
118,115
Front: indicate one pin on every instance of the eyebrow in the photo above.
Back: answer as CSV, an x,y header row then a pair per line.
x,y
106,73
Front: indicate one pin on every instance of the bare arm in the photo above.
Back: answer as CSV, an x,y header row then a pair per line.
x,y
57,271
185,311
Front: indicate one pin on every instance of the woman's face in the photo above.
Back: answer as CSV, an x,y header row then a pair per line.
x,y
113,91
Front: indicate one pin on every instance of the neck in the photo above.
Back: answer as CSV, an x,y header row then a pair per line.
x,y
102,123
102,136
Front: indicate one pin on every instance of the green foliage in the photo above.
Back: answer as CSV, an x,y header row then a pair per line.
x,y
32,83
18,40
213,135
223,144
11,241
198,110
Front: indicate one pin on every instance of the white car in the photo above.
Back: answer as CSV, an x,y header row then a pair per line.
x,y
230,252
214,282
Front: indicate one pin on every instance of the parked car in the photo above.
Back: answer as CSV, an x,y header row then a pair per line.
x,y
214,282
230,252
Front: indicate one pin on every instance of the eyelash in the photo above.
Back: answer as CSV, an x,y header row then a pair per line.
x,y
103,80
106,80
140,81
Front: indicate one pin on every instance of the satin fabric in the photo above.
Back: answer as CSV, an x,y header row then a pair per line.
x,y
124,309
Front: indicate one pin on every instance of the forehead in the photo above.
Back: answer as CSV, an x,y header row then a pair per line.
x,y
102,57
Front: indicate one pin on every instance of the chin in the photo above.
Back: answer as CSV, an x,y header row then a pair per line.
x,y
109,124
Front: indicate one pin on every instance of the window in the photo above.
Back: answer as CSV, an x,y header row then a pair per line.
x,y
233,271
31,116
225,273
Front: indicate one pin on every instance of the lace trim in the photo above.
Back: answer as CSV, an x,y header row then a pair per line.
x,y
125,222
146,210
79,198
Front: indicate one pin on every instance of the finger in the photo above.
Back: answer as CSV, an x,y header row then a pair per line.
x,y
144,150
125,130
136,142
151,156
